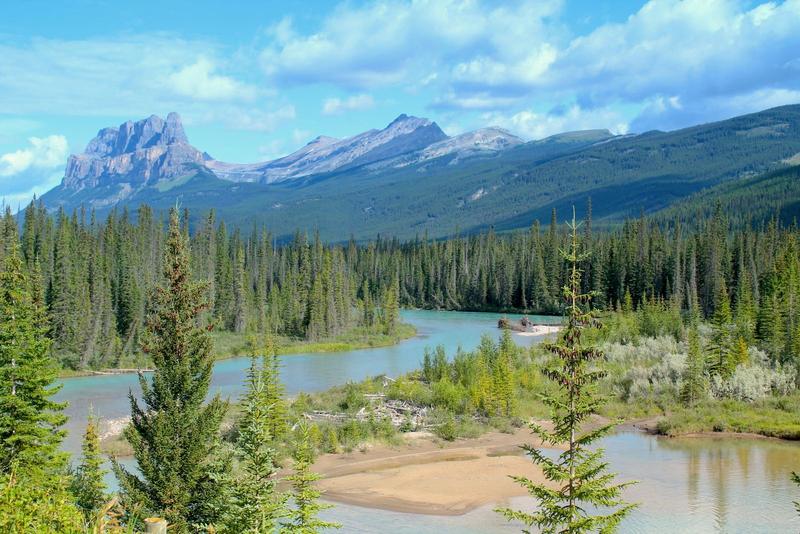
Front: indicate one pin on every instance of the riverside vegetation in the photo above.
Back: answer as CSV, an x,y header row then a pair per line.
x,y
695,330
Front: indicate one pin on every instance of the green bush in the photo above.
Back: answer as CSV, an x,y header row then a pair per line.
x,y
449,396
411,391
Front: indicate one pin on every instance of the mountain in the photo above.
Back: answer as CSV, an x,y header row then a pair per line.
x,y
326,154
410,178
744,201
134,154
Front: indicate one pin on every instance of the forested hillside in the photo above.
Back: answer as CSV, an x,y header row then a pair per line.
x,y
95,276
746,201
506,190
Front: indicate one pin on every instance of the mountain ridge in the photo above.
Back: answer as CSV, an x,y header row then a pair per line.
x,y
452,185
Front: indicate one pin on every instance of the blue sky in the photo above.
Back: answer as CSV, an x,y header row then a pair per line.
x,y
257,80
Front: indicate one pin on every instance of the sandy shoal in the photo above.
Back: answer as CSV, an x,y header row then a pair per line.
x,y
426,477
539,330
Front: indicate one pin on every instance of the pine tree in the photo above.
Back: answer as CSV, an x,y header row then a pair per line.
x,y
29,418
721,347
694,378
391,309
304,516
270,391
88,485
579,473
175,434
256,504
503,376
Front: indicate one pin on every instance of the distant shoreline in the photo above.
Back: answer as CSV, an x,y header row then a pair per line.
x,y
405,331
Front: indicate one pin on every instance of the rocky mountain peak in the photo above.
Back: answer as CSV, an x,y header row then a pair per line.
x,y
151,147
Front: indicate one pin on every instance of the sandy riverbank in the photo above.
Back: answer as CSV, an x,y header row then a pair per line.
x,y
539,330
425,476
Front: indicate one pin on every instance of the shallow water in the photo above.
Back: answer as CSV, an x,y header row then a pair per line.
x,y
692,485
687,485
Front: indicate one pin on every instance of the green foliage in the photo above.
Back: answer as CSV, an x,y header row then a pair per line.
x,y
175,434
771,416
265,389
256,505
88,485
695,383
304,516
29,419
38,503
579,474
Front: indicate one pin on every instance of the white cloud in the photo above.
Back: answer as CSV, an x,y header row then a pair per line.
x,y
130,76
32,170
701,54
531,125
199,81
337,106
392,42
41,153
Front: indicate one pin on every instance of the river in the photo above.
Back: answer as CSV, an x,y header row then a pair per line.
x,y
685,485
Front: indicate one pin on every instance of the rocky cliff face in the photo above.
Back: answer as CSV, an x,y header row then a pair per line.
x,y
135,153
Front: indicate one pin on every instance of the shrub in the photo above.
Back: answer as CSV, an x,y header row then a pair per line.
x,y
451,397
353,398
410,391
446,429
752,382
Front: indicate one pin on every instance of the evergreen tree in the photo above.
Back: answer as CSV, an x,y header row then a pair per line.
x,y
391,308
269,392
256,504
721,360
695,384
30,420
503,376
579,474
88,485
175,434
304,516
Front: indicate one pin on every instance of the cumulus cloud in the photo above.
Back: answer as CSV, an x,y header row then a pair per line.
x,y
41,153
532,125
337,106
130,76
395,41
33,169
198,80
710,57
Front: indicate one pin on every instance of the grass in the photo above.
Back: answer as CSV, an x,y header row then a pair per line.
x,y
777,417
231,344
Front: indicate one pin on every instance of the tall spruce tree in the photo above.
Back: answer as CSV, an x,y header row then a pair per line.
x,y
256,504
695,383
175,433
585,497
721,353
30,420
304,516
